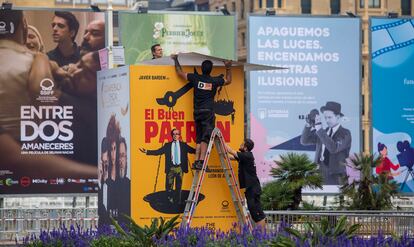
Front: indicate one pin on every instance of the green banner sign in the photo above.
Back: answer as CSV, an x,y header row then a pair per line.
x,y
207,34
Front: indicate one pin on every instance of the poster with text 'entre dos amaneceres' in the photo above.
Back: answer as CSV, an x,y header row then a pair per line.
x,y
392,54
321,83
213,35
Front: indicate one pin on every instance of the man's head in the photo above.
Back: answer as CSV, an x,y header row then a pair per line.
x,y
175,134
122,157
247,145
104,158
94,37
84,73
156,51
332,113
13,26
206,67
65,26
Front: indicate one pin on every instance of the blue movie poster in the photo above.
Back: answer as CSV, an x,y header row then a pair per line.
x,y
392,52
313,106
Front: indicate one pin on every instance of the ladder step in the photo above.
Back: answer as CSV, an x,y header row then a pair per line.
x,y
192,201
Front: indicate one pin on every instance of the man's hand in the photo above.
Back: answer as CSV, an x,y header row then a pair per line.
x,y
227,64
143,150
318,122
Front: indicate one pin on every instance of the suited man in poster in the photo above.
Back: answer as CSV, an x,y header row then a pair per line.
x,y
176,163
333,143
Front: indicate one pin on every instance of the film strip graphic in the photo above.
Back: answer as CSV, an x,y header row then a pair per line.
x,y
399,34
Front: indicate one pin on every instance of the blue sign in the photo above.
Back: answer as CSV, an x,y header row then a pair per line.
x,y
322,77
392,51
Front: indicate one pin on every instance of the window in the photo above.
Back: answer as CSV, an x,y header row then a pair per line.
x,y
335,7
363,105
405,7
363,71
279,3
251,6
233,6
306,6
243,41
242,9
363,36
371,3
260,4
270,3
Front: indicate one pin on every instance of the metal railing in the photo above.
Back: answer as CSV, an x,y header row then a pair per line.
x,y
18,223
371,222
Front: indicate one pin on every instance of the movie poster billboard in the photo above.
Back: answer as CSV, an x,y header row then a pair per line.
x,y
48,64
321,84
392,54
163,102
114,160
213,35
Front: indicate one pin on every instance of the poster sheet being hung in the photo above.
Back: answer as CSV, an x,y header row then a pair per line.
x,y
320,85
48,65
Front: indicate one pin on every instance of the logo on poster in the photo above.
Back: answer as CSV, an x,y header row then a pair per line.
x,y
262,113
46,91
25,181
3,29
10,182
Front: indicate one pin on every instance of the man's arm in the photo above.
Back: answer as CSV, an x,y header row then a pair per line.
x,y
189,148
343,142
228,78
231,152
159,151
178,68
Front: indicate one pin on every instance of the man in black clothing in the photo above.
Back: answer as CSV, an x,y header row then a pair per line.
x,y
123,184
65,28
205,88
248,179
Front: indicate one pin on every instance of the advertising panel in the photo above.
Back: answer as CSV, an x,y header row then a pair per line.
x,y
392,53
114,142
48,64
321,82
213,35
162,102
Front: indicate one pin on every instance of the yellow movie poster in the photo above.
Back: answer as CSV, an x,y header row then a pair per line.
x,y
160,103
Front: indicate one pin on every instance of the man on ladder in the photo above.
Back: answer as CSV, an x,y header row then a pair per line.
x,y
248,179
205,88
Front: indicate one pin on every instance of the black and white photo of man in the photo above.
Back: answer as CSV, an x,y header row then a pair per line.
x,y
333,143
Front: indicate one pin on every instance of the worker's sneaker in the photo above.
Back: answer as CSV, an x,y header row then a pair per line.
x,y
197,165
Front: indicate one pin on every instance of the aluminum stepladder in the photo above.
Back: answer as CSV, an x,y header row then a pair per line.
x,y
239,202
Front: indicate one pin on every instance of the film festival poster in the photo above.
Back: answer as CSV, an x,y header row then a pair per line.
x,y
321,80
48,116
163,102
114,160
392,106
